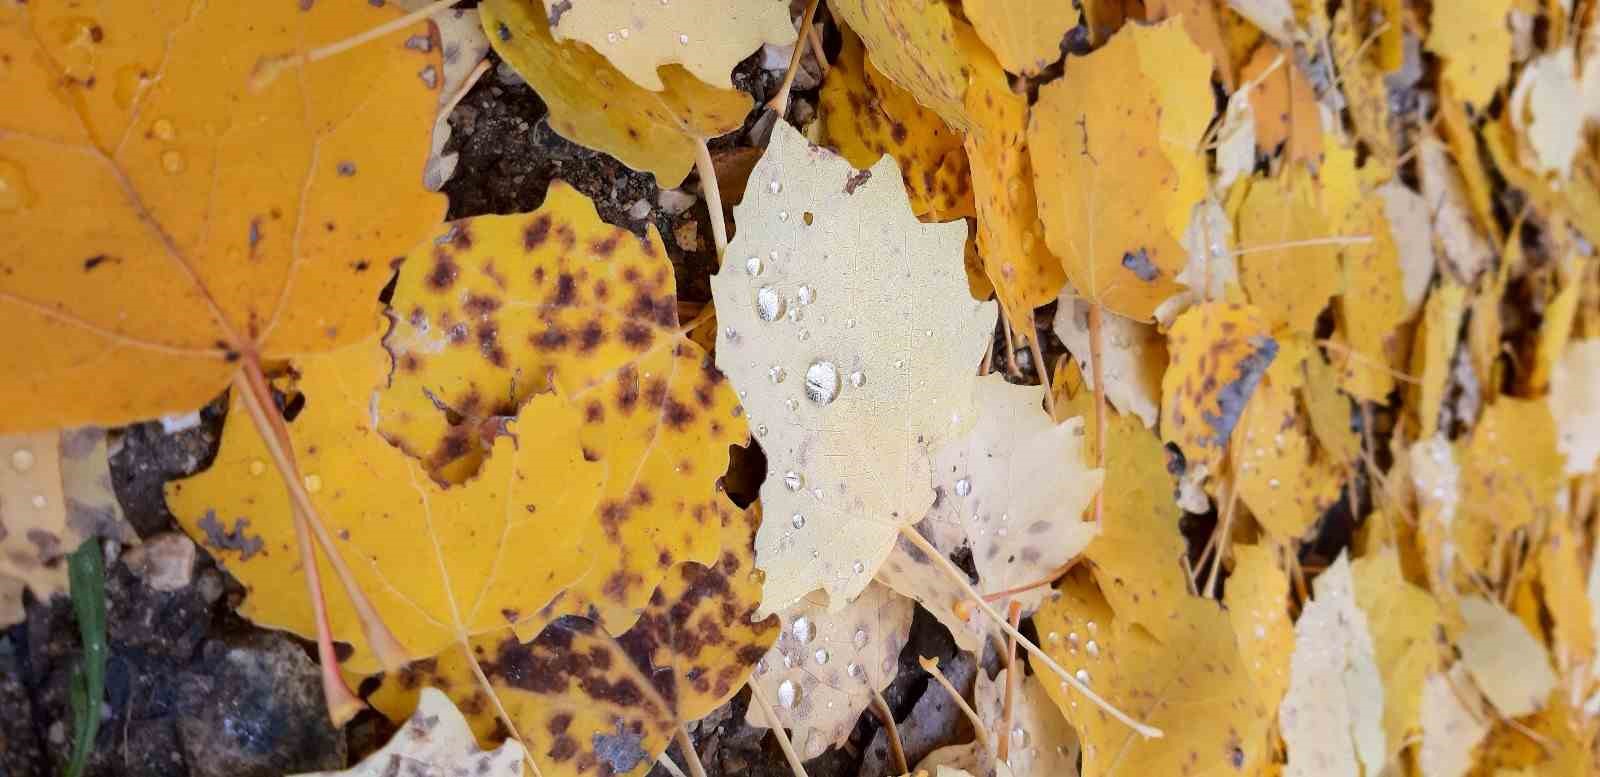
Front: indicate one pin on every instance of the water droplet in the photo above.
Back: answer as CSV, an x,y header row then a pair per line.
x,y
858,379
1072,639
806,295
172,161
769,306
822,382
1053,637
783,215
758,576
899,364
258,467
792,403
1091,626
798,521
794,313
776,186
821,655
1082,675
1092,648
683,40
22,459
788,693
794,480
788,661
804,335
39,501
753,265
854,670
163,130
313,483
849,323
611,37
776,374
860,639
761,667
729,333
15,194
761,431
963,487
802,630
858,567
1273,483
623,33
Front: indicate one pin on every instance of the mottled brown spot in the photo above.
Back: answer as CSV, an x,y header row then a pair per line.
x,y
536,233
443,274
637,335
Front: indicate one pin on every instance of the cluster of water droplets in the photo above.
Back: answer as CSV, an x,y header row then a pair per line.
x,y
1090,649
22,461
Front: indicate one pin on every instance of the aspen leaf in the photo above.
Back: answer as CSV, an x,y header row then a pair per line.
x,y
913,42
584,701
1409,223
1372,304
1025,35
865,115
495,309
1200,20
1510,474
1402,620
1290,284
1465,252
594,105
55,493
462,46
1505,660
854,343
1218,353
435,742
141,166
1195,686
1332,717
1562,577
1133,356
706,37
1014,492
1258,590
1451,727
1474,41
388,514
1576,406
826,666
1041,744
1282,476
912,574
1283,105
1115,164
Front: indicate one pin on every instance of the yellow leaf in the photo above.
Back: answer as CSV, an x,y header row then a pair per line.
x,y
1292,281
1025,35
1281,477
1561,745
1330,413
1284,105
1201,21
55,493
499,308
584,701
826,666
706,37
1362,78
1218,353
1474,40
1258,608
1512,468
1404,621
1370,309
855,343
1195,687
1453,723
1576,405
1562,576
865,115
1435,347
437,563
1505,660
1011,239
1115,164
161,218
593,105
435,740
914,43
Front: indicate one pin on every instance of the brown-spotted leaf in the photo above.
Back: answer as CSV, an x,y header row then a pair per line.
x,y
706,37
435,741
497,308
914,43
1218,354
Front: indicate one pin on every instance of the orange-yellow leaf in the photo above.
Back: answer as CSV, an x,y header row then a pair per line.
x,y
1025,35
1474,40
1218,354
1284,105
914,43
1284,271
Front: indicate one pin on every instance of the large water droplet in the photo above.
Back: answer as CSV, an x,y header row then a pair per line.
x,y
858,379
172,161
860,639
806,295
963,487
1092,648
798,521
794,480
313,483
39,501
753,265
22,459
769,305
822,656
788,693
854,670
822,382
257,467
776,374
802,630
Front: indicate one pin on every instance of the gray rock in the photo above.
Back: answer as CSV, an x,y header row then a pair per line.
x,y
165,562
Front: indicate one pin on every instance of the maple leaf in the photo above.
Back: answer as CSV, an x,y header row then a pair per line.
x,y
582,700
594,105
142,167
433,742
827,666
706,37
1115,165
55,493
497,309
853,346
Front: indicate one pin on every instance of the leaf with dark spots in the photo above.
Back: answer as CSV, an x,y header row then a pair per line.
x,y
435,741
540,322
1138,262
1217,354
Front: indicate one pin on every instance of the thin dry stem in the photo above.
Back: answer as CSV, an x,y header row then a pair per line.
x,y
1044,377
713,195
1096,364
1013,671
931,666
461,93
269,68
814,38
671,766
690,755
1336,240
960,578
780,101
1011,347
1055,574
897,750
1224,533
771,716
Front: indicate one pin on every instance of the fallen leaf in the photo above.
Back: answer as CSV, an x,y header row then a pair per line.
x,y
706,37
1465,252
826,666
1195,686
1404,621
855,344
497,309
1510,474
1274,17
914,43
55,494
1257,602
1507,663
1474,41
594,105
1372,304
1283,105
1287,267
252,215
1133,356
1200,20
462,47
1280,474
1435,347
1575,406
865,115
1541,107
1332,716
1115,164
1451,728
435,742
1361,76
1409,221
1042,744
1562,578
1025,35
1218,353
